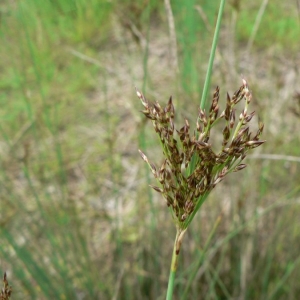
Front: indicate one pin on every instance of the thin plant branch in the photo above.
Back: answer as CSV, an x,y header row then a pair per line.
x,y
257,24
172,32
212,55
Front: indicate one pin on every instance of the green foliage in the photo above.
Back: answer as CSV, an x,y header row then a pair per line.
x,y
76,217
279,26
194,41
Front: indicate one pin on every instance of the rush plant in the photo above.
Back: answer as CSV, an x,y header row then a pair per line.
x,y
191,168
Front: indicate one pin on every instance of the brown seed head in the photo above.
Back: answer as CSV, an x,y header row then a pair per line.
x,y
183,183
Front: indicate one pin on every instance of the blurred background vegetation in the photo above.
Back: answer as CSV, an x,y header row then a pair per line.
x,y
77,218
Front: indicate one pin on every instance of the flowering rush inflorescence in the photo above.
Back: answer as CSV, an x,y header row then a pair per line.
x,y
191,169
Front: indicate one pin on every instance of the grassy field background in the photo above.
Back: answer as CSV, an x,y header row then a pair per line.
x,y
77,218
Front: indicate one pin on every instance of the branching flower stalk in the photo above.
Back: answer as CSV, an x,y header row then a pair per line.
x,y
191,168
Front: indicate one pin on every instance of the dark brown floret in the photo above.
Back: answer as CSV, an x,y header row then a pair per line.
x,y
6,291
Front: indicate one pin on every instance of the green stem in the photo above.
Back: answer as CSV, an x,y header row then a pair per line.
x,y
212,55
180,232
176,249
199,203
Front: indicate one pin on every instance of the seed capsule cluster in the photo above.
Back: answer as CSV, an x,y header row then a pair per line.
x,y
191,169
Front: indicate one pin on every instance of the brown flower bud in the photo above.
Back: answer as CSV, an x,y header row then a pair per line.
x,y
153,169
254,144
240,167
142,98
227,112
158,108
232,118
157,189
228,100
144,157
249,117
199,127
202,117
189,206
226,133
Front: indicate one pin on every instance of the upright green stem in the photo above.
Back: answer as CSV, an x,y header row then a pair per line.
x,y
176,249
180,232
212,55
172,270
